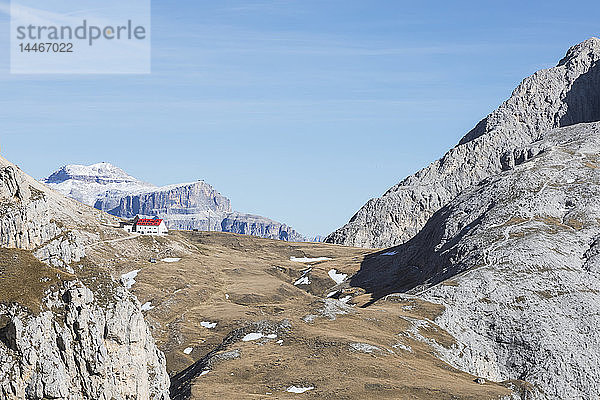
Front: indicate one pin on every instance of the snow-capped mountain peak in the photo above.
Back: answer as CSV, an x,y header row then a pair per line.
x,y
103,173
86,183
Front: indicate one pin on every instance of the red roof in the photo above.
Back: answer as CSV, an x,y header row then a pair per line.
x,y
149,222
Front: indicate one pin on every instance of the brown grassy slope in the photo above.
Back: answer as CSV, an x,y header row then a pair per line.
x,y
237,281
25,280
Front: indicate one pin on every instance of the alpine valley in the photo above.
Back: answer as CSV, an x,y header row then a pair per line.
x,y
477,277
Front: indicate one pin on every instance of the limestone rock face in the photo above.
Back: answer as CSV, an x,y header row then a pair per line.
x,y
515,262
79,350
24,218
564,95
184,199
29,219
255,225
63,250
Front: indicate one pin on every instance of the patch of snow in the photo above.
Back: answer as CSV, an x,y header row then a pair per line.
x,y
403,347
188,350
206,371
128,279
303,281
170,260
147,306
252,336
257,335
345,299
390,253
87,183
279,342
208,325
299,389
364,347
336,276
308,260
331,293
309,318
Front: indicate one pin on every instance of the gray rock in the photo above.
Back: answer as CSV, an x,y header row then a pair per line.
x,y
29,219
561,96
514,261
24,213
170,201
256,225
62,250
79,350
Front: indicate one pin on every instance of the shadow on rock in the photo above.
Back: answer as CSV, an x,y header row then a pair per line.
x,y
425,260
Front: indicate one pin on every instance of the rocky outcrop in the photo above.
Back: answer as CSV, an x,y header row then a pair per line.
x,y
184,199
199,206
62,251
24,217
564,95
256,225
29,219
77,349
514,260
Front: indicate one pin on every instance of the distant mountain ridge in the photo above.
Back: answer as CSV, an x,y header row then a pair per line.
x,y
186,206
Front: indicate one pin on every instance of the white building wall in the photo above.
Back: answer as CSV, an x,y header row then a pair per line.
x,y
153,229
162,228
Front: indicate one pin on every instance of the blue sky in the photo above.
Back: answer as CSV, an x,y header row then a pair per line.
x,y
297,110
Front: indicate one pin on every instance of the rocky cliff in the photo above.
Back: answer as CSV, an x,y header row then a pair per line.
x,y
77,349
31,217
514,260
183,199
186,206
24,216
256,225
58,338
564,95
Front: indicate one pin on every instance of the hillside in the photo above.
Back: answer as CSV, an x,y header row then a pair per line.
x,y
239,317
514,262
493,292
